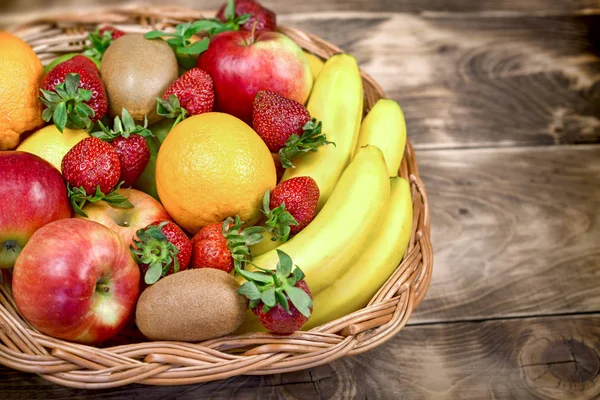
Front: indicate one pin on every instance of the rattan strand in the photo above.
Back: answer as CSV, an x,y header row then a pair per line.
x,y
175,363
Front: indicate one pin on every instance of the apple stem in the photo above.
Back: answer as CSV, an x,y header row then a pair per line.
x,y
102,286
253,32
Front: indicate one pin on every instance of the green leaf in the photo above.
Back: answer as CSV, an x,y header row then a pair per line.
x,y
284,267
268,297
281,299
196,48
72,83
128,121
255,276
60,116
253,303
300,299
205,25
47,114
157,34
230,10
153,274
250,290
242,19
298,275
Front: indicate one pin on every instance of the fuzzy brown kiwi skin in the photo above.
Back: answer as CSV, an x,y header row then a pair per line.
x,y
191,305
135,71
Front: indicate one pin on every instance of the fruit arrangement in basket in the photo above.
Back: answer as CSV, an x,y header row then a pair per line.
x,y
198,181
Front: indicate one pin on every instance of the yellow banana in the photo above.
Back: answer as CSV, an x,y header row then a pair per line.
x,y
337,101
384,127
265,245
376,262
339,232
315,63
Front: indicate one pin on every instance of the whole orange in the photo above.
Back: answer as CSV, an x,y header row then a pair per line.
x,y
210,167
20,75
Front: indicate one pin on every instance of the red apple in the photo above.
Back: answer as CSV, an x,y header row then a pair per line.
x,y
242,63
76,280
32,194
127,221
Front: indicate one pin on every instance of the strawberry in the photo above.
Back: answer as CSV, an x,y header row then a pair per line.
x,y
192,93
128,140
285,126
280,299
73,94
291,206
112,31
224,245
161,249
91,169
100,40
263,18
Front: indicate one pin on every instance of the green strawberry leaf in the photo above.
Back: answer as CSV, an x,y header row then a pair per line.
x,y
250,290
300,299
255,276
156,34
60,116
284,266
278,220
230,10
153,274
199,47
66,105
311,139
281,299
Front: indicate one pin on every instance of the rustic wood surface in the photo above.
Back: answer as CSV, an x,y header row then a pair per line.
x,y
502,99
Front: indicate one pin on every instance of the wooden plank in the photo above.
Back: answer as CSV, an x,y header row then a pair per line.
x,y
478,81
538,358
515,232
313,6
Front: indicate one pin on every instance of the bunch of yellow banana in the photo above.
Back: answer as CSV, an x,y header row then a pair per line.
x,y
361,234
337,101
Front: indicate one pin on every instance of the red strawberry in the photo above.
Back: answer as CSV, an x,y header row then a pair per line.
x,y
223,245
280,299
100,40
192,93
291,206
76,84
114,32
161,249
92,169
91,163
264,18
285,126
127,139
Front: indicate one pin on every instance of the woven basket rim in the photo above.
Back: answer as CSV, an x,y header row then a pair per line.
x,y
175,363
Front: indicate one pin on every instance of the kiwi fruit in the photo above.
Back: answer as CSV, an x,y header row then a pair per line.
x,y
190,306
135,71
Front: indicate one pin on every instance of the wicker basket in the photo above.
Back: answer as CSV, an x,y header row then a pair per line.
x,y
175,363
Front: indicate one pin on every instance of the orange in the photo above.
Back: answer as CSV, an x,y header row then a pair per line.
x,y
210,167
20,74
52,145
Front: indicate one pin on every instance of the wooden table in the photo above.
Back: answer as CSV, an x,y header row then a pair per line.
x,y
502,99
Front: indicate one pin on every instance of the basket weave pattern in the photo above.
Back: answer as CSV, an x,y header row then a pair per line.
x,y
177,363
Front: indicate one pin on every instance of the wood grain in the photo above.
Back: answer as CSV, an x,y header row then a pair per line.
x,y
515,232
537,358
478,81
312,6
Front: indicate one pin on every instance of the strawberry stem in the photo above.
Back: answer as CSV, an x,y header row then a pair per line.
x,y
79,198
66,105
278,220
311,139
152,248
